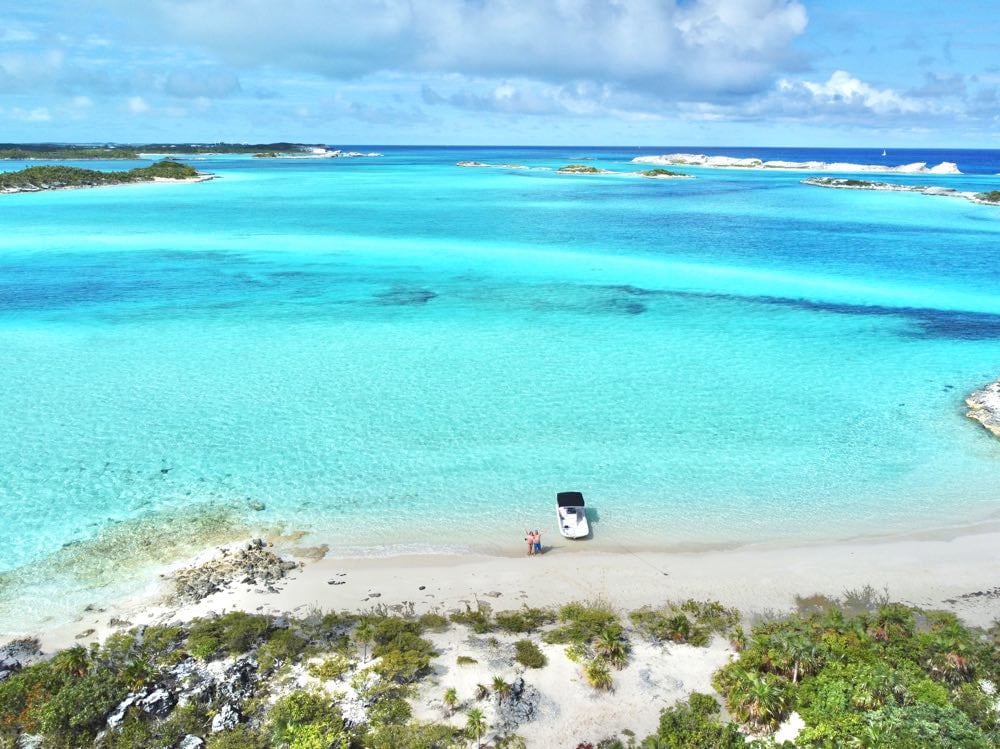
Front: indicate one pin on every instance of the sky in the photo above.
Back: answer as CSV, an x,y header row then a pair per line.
x,y
830,73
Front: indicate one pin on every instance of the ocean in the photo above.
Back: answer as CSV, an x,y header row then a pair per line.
x,y
396,354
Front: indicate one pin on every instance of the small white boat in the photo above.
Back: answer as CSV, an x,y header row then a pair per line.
x,y
572,515
883,152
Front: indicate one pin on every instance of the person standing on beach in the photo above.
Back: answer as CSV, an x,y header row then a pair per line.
x,y
538,542
530,538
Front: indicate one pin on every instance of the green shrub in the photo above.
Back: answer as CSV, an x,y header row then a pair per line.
x,y
465,660
235,633
692,622
282,646
80,708
306,720
529,655
433,622
240,737
695,725
331,668
479,619
580,623
524,620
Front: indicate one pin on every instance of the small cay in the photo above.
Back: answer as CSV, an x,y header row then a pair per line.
x,y
984,407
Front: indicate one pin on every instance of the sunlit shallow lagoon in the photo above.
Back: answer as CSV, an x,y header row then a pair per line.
x,y
398,354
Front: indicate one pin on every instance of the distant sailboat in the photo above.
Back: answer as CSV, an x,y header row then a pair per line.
x,y
883,152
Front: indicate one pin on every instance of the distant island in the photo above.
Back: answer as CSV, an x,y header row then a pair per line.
x,y
580,169
61,151
844,183
731,162
39,178
663,174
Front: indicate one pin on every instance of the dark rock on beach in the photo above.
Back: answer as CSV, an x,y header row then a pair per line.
x,y
254,564
518,707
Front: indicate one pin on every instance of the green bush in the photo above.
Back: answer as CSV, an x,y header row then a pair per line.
x,y
695,725
479,619
433,622
306,720
331,668
529,655
282,646
692,622
235,633
524,620
580,623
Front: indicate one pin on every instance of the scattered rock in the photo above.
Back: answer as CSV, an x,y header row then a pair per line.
x,y
116,622
493,594
984,407
17,654
518,708
157,703
226,719
117,716
190,741
422,587
374,595
256,505
30,741
85,633
254,564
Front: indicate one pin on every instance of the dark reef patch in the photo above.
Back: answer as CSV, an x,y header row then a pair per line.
x,y
405,297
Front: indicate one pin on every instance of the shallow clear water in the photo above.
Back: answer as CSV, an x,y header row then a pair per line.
x,y
399,353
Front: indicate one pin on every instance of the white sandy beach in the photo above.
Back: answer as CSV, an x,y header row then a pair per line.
x,y
937,572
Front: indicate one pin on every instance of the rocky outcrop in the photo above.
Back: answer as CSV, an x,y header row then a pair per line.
x,y
254,564
227,718
17,654
984,407
516,708
845,183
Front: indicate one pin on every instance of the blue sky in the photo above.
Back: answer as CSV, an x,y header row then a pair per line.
x,y
869,73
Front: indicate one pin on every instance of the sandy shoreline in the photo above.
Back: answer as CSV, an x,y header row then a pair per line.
x,y
961,574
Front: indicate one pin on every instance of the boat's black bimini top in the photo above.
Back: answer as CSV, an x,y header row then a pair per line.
x,y
569,499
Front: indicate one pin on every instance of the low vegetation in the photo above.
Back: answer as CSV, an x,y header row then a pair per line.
x,y
662,173
529,655
989,197
859,670
25,153
579,169
691,622
58,177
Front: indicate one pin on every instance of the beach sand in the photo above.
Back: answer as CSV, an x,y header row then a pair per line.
x,y
959,573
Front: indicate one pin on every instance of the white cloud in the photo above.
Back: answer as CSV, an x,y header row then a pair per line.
x,y
136,105
666,47
842,89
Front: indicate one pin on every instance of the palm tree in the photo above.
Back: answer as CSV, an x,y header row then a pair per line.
x,y
475,726
138,673
598,675
501,689
759,700
611,646
450,700
72,662
363,634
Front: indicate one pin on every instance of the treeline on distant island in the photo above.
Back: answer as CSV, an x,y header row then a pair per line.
x,y
29,152
57,177
55,151
861,671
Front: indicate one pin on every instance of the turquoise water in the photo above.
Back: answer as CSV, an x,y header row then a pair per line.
x,y
398,354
